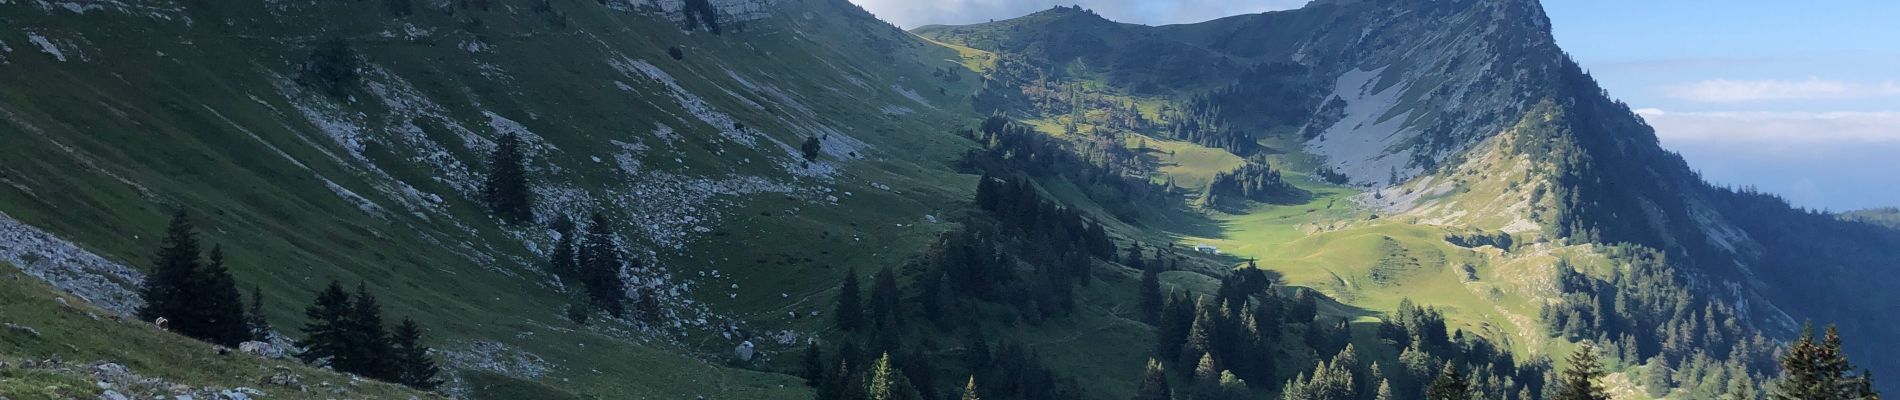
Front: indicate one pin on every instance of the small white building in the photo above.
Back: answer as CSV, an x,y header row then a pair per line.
x,y
1204,248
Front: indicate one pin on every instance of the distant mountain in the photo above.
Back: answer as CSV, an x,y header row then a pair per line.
x,y
1054,206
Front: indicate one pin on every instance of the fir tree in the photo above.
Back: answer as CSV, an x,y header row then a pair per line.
x,y
850,310
969,390
814,365
1206,379
506,189
413,367
1450,385
1820,371
885,315
255,319
811,148
1151,301
368,344
1154,383
167,289
1385,391
217,305
1579,381
325,335
600,265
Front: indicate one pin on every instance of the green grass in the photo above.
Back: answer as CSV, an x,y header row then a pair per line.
x,y
82,334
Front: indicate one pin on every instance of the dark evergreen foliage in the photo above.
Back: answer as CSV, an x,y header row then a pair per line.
x,y
506,189
600,264
412,364
346,334
849,314
197,299
332,68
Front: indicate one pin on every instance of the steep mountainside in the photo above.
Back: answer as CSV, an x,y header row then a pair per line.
x,y
1046,207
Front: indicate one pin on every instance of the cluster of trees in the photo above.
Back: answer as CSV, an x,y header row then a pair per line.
x,y
1501,240
201,300
1008,149
1200,121
346,333
331,68
1009,371
594,260
1255,181
1644,314
196,298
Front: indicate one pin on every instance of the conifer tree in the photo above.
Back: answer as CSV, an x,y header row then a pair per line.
x,y
814,365
886,383
600,264
1385,391
413,367
175,267
969,390
1206,378
850,310
1820,371
811,148
1154,383
885,314
506,189
367,342
1450,385
255,319
1151,301
1579,380
325,335
217,306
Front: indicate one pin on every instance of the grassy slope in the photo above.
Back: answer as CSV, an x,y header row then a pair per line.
x,y
99,144
83,334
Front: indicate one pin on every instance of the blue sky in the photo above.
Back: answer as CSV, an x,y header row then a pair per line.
x,y
1796,98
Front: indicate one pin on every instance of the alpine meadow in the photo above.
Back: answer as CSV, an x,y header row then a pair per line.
x,y
795,199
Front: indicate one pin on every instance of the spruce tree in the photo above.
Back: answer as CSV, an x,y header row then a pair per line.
x,y
368,344
885,314
167,289
325,335
814,365
1579,380
1820,371
1154,383
217,308
1206,378
850,310
1151,301
412,365
1385,391
506,189
969,390
255,319
1450,385
600,265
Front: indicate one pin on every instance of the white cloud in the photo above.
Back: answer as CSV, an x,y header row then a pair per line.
x,y
1775,127
914,13
1724,90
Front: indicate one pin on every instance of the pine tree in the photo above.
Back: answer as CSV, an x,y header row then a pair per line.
x,y
255,319
506,189
811,148
969,390
1579,381
600,265
885,382
1385,391
413,367
1154,383
850,310
166,289
325,333
1450,385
